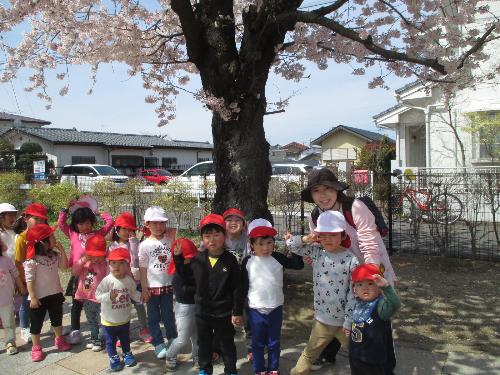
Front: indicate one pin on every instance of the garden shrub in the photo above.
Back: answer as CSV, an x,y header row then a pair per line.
x,y
10,190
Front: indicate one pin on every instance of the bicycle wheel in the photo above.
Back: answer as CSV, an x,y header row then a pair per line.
x,y
446,208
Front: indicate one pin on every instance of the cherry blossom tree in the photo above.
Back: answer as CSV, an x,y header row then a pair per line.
x,y
234,45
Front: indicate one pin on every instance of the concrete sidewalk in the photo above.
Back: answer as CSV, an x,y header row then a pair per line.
x,y
411,361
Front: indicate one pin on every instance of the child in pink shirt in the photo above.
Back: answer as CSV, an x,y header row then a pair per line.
x,y
83,218
90,269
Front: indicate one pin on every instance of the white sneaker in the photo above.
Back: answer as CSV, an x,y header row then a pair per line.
x,y
75,337
26,335
97,347
90,344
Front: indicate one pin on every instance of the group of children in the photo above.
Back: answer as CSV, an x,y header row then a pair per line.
x,y
234,277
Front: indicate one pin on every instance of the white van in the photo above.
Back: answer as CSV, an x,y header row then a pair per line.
x,y
86,175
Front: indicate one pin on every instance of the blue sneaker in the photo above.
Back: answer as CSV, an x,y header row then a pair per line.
x,y
204,372
115,363
161,351
129,359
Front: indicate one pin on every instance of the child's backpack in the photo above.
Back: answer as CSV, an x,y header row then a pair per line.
x,y
347,211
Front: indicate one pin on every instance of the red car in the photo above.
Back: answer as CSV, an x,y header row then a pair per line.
x,y
156,176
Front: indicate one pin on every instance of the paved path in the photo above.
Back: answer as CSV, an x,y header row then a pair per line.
x,y
411,361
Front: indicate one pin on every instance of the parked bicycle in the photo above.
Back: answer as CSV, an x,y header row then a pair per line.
x,y
442,208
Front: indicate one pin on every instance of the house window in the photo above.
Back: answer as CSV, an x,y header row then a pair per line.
x,y
83,160
168,162
486,140
124,161
151,162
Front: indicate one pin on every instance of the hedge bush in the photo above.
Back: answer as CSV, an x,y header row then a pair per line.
x,y
10,190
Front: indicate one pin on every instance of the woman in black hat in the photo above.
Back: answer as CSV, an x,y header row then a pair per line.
x,y
327,192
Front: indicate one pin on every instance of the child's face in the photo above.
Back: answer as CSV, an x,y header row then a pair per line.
x,y
330,241
263,246
95,260
8,219
234,225
366,290
34,220
157,228
84,227
124,233
324,196
213,241
118,268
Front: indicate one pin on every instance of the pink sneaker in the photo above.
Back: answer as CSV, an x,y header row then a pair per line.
x,y
145,336
37,353
61,344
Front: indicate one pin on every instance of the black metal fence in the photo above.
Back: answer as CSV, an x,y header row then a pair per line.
x,y
453,214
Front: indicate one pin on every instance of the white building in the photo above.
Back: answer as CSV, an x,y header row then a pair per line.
x,y
126,152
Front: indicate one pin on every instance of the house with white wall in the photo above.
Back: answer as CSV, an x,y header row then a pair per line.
x,y
126,152
429,125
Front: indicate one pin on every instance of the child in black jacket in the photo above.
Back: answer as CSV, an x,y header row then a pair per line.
x,y
218,296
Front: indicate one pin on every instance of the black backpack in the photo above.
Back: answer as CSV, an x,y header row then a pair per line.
x,y
347,211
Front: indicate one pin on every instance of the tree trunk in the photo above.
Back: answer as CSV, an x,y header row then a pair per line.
x,y
241,159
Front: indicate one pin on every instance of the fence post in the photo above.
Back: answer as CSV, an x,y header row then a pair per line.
x,y
389,214
302,215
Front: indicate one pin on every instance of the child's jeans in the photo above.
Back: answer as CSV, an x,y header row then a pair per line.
x,y
160,309
223,329
186,330
321,335
266,331
9,324
24,313
93,313
114,333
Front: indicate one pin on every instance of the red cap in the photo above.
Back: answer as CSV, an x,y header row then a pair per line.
x,y
233,212
119,253
125,220
37,209
36,234
365,271
213,219
189,250
96,246
261,228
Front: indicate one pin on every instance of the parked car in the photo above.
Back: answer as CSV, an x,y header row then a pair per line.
x,y
196,176
86,175
156,175
289,169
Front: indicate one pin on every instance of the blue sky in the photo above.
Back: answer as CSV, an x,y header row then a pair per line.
x,y
326,99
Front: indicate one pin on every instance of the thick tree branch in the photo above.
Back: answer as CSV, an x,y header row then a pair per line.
x,y
309,17
329,8
190,27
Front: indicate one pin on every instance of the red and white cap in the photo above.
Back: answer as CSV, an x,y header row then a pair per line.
x,y
155,213
331,222
261,228
84,201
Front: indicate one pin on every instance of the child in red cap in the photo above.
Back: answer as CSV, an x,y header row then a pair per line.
x,y
262,275
90,269
219,301
123,235
116,293
377,302
44,258
34,213
184,251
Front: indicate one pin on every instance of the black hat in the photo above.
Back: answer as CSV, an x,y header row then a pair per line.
x,y
321,176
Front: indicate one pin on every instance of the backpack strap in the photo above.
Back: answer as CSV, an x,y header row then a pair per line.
x,y
347,210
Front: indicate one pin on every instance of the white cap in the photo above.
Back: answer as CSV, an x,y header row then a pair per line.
x,y
155,213
84,201
330,222
261,228
7,207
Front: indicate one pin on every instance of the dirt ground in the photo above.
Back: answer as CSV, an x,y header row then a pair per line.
x,y
447,304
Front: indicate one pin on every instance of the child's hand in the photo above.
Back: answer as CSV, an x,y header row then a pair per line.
x,y
307,260
178,248
84,259
380,281
70,203
237,320
310,238
287,236
145,296
347,332
35,303
113,294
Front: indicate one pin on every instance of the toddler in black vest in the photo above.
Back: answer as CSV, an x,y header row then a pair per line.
x,y
377,302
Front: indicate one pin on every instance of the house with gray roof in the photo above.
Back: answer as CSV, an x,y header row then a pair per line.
x,y
126,152
341,144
